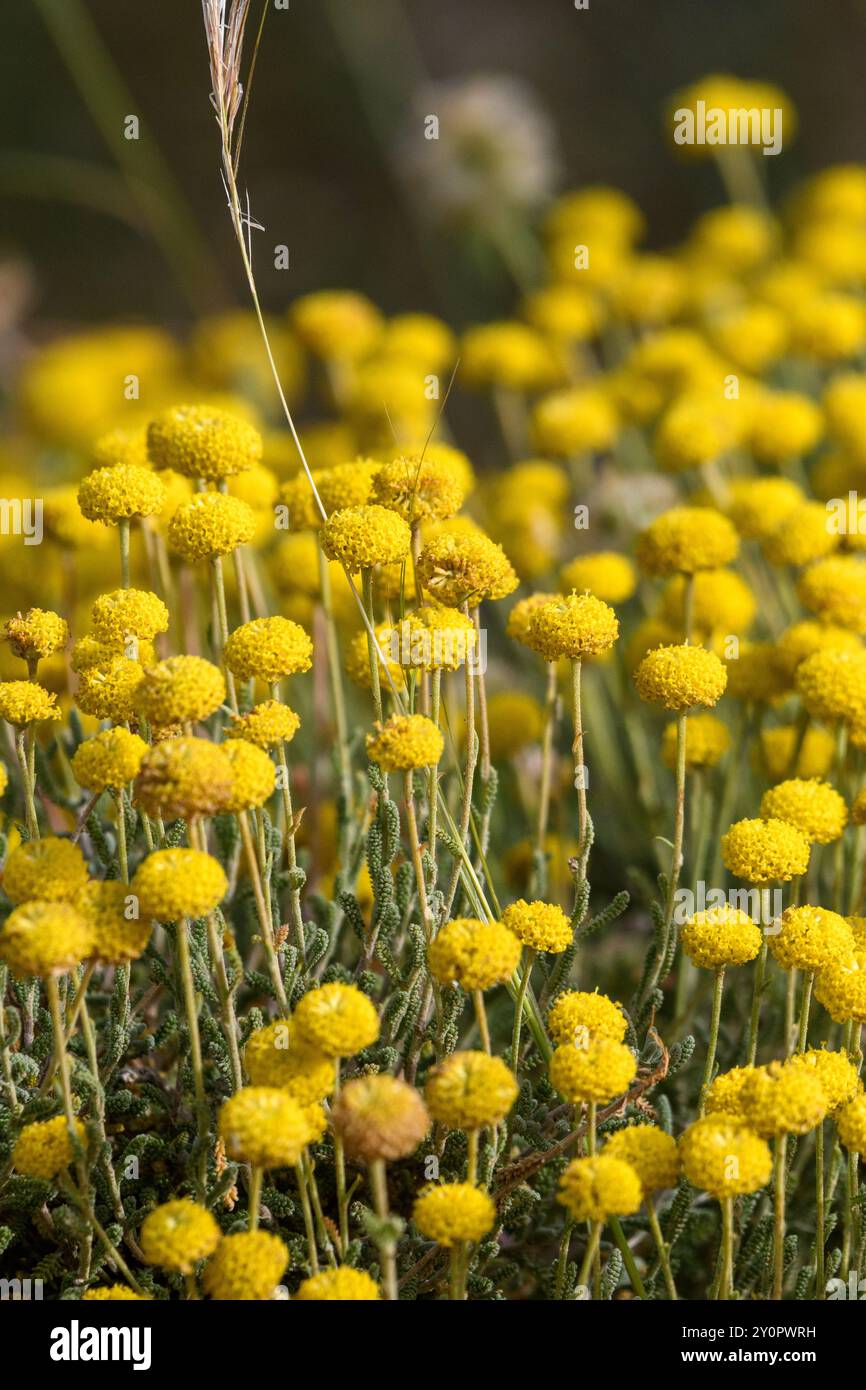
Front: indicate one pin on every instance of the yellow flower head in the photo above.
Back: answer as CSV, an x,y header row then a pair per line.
x,y
264,1126
126,613
511,355
110,759
36,634
778,747
724,1157
452,1212
580,1018
252,772
707,741
756,674
519,624
419,489
44,938
835,589
181,690
117,938
280,1055
720,937
803,537
183,777
337,325
24,702
598,1070
841,988
358,657
758,506
813,806
110,689
338,1019
651,1152
605,574
686,540
835,1071
783,1099
268,649
432,638
341,1285
539,925
178,1234
459,569
44,1149
51,869
696,428
592,1189
175,883
246,1266
851,1123
113,1293
832,685
470,1090
828,328
210,524
765,851
516,720
361,537
811,938
578,420
721,602
200,441
406,741
574,627
121,492
380,1117
724,1096
740,237
476,955
266,725
420,338
681,677
807,637
784,425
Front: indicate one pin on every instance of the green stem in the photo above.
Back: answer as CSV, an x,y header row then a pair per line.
x,y
528,962
256,1176
712,1043
725,1280
387,1247
779,1216
663,1251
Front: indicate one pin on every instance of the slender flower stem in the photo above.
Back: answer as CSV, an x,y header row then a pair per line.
x,y
263,910
375,685
712,1043
528,962
779,1215
550,702
27,786
481,1016
755,1016
256,1176
303,1193
805,1004
472,1138
820,1277
387,1247
468,780
123,539
725,1287
219,588
663,1251
589,1253
340,1172
184,962
335,678
676,856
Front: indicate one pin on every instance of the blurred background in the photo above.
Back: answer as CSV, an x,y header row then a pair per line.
x,y
96,227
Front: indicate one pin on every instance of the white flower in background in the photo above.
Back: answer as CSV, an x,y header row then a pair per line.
x,y
490,148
